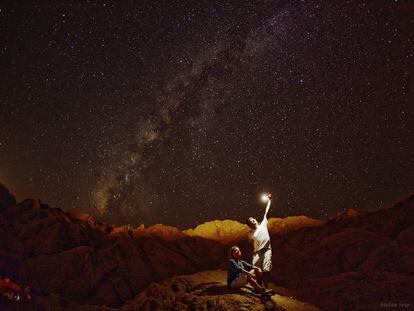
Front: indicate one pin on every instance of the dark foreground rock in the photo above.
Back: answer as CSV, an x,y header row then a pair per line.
x,y
86,262
207,290
6,198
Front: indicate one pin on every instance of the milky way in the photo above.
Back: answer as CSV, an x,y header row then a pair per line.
x,y
184,113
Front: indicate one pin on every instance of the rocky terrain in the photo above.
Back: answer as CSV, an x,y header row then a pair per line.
x,y
87,262
360,261
355,261
208,290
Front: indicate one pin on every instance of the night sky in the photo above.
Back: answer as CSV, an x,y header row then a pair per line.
x,y
180,112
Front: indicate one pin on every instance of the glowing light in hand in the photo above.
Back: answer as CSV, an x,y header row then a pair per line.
x,y
264,198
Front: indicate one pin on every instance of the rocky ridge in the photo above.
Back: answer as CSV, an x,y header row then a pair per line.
x,y
356,260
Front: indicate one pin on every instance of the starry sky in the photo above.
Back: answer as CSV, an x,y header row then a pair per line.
x,y
180,112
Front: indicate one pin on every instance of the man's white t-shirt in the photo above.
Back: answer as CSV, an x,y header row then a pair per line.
x,y
260,236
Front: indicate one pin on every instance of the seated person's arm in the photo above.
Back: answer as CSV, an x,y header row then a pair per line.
x,y
246,265
245,271
249,267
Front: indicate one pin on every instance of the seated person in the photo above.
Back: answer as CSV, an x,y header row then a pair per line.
x,y
240,273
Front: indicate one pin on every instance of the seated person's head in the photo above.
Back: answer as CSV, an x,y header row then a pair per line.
x,y
235,253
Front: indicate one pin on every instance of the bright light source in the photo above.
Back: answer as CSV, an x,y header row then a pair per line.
x,y
264,198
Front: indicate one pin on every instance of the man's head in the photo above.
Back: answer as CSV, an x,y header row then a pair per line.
x,y
252,223
235,252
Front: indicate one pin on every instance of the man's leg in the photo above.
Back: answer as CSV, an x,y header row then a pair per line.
x,y
258,262
258,274
266,279
267,267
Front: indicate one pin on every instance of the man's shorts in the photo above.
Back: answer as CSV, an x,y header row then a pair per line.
x,y
239,282
263,259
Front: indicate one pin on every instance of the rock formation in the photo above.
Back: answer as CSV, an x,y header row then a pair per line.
x,y
6,198
231,231
87,262
357,260
207,290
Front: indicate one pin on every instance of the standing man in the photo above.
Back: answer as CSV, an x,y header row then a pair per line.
x,y
262,253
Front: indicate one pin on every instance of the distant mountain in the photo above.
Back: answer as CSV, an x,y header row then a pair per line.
x,y
223,231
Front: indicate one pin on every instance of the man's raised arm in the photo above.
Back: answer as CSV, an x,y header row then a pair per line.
x,y
267,208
